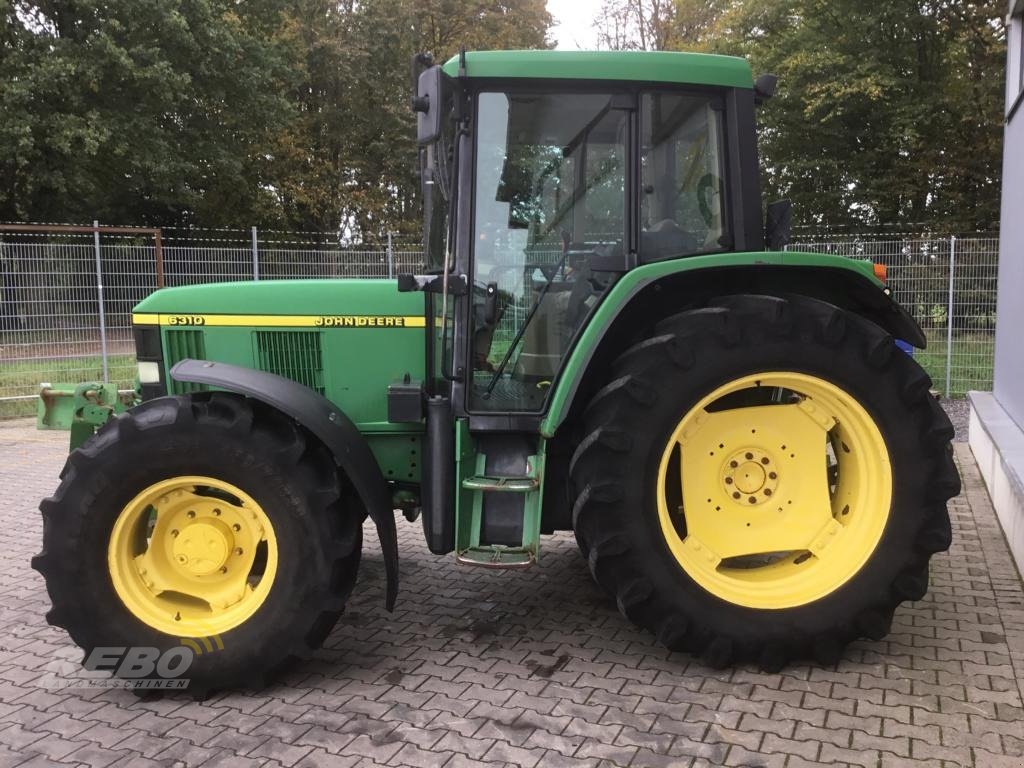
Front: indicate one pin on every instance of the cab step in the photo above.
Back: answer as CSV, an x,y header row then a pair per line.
x,y
524,484
498,505
497,557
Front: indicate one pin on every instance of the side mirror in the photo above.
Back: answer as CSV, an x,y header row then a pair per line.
x,y
778,223
429,102
764,88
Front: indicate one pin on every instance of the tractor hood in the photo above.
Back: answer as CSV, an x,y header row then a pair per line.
x,y
345,339
355,297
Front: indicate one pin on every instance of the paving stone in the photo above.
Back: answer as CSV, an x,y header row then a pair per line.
x,y
464,745
557,760
481,669
501,752
738,756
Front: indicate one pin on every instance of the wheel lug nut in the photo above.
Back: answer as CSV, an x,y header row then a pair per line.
x,y
749,455
733,464
772,475
223,569
752,500
236,527
191,514
728,481
216,512
174,533
735,494
238,550
764,460
767,491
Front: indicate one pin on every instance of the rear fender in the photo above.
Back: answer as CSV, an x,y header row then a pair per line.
x,y
337,432
658,290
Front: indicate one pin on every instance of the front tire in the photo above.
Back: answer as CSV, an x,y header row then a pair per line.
x,y
763,479
211,522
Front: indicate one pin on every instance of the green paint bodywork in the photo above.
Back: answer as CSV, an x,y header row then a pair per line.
x,y
356,365
565,387
362,296
631,66
353,366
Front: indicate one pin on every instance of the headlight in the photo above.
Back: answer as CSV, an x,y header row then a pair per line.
x,y
149,373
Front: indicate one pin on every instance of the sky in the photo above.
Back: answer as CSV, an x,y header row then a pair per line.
x,y
574,23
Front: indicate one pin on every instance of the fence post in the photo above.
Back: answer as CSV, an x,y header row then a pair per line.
x,y
391,258
158,255
255,256
949,315
99,291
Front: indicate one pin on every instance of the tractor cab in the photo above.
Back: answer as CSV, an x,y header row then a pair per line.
x,y
548,174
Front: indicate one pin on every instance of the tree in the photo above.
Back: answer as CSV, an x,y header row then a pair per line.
x,y
138,111
887,113
657,25
220,113
349,160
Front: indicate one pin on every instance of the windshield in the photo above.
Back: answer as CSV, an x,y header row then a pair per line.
x,y
549,206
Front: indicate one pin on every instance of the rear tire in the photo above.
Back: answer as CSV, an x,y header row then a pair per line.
x,y
288,477
620,519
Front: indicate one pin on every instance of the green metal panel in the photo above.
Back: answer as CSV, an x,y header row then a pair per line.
x,y
467,464
327,334
636,66
399,454
182,344
287,297
296,355
347,339
633,281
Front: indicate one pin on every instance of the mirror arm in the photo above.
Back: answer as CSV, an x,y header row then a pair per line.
x,y
420,62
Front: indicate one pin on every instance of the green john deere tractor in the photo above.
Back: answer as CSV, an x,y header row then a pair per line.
x,y
606,338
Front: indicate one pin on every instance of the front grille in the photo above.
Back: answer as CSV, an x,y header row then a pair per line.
x,y
293,354
182,345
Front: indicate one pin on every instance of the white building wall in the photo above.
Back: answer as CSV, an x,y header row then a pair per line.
x,y
1009,367
997,418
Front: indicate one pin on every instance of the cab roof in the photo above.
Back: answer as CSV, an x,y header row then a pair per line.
x,y
641,66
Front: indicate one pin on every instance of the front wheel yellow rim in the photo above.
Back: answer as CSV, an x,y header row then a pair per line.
x,y
192,556
774,490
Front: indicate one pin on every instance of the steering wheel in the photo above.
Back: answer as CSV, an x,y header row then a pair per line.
x,y
708,183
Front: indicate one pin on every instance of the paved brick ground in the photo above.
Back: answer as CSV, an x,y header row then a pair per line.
x,y
534,670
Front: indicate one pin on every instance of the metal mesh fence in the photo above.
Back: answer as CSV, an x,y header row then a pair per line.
x,y
949,285
66,298
51,328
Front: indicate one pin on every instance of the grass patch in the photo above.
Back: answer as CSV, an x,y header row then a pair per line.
x,y
23,377
972,362
973,356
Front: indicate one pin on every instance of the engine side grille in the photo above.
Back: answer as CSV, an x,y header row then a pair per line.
x,y
293,354
183,345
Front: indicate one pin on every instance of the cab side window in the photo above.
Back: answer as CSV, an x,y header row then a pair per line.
x,y
682,195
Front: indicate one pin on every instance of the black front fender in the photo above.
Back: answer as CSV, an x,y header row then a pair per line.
x,y
320,416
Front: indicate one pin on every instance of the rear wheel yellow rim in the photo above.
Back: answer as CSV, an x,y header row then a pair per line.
x,y
192,556
774,490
